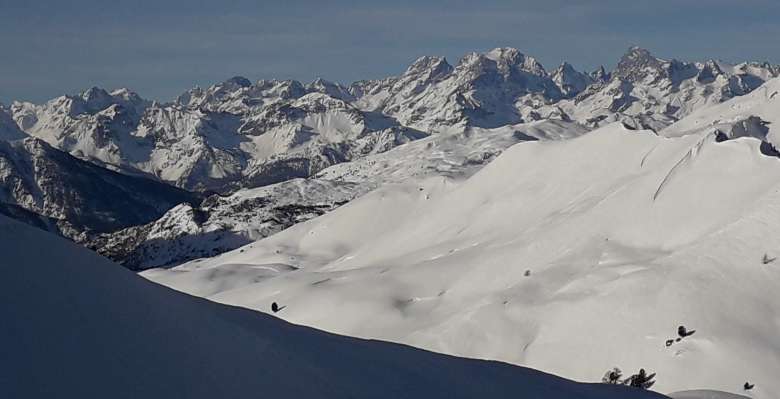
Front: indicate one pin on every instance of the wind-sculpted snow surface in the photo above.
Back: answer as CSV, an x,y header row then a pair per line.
x,y
76,325
570,256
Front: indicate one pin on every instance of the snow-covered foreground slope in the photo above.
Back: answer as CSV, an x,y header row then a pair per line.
x,y
77,326
706,394
568,256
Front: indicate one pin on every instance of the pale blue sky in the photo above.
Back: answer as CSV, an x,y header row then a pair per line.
x,y
161,48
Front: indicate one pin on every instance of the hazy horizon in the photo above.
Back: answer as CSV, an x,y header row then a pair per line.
x,y
161,50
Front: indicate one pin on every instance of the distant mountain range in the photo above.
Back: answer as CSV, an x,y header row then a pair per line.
x,y
223,141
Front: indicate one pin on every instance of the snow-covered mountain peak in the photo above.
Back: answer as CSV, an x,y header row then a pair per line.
x,y
570,81
319,101
430,66
286,88
709,71
9,130
566,67
648,92
423,72
499,76
506,54
214,98
329,88
238,96
504,86
600,75
125,93
637,64
636,54
96,97
474,62
507,58
393,94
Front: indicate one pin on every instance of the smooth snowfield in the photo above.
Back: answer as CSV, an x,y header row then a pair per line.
x,y
75,325
568,256
705,394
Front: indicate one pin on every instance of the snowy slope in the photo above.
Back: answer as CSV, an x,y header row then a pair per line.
x,y
706,394
569,256
751,115
570,81
223,223
457,154
77,326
